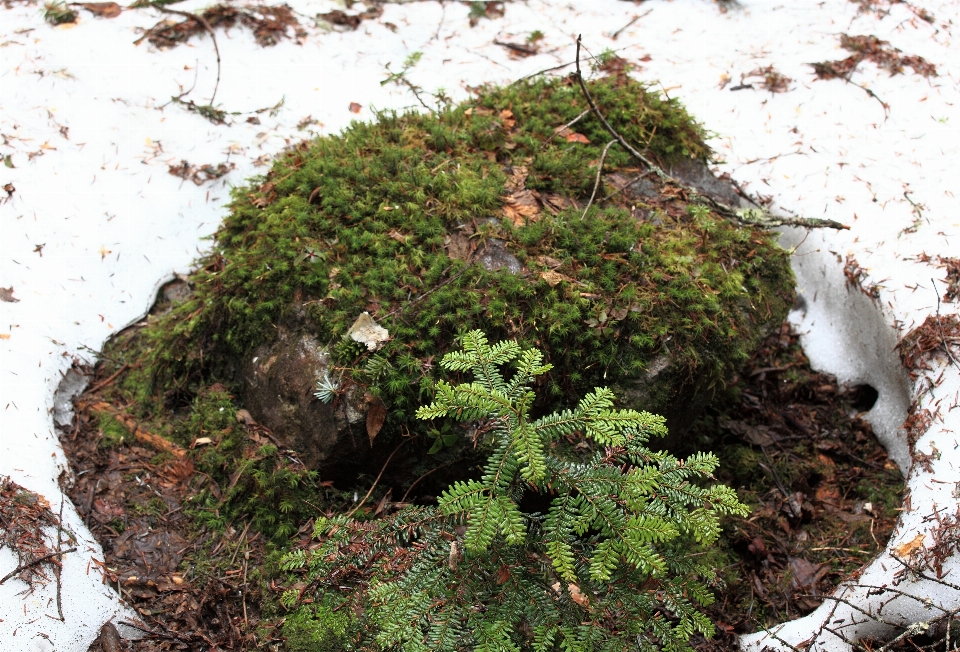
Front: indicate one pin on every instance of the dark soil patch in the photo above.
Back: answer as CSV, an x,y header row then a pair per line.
x,y
196,588
824,494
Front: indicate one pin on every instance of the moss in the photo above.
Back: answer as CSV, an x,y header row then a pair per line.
x,y
112,432
316,628
395,192
369,220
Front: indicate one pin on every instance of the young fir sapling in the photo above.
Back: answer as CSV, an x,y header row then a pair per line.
x,y
608,565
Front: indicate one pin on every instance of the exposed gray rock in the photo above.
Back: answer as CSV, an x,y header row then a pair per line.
x,y
696,173
278,390
493,255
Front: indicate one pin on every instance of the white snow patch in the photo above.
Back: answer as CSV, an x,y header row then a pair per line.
x,y
113,224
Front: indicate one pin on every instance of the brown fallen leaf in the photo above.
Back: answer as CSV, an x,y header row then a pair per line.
x,y
376,415
6,294
355,108
109,638
522,207
102,9
577,596
399,237
244,417
577,138
460,246
806,574
503,574
553,278
506,117
910,547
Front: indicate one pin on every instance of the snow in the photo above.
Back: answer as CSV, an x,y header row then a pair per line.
x,y
114,225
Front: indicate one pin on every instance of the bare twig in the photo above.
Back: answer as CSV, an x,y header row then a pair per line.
x,y
107,381
625,27
207,26
757,217
410,488
596,184
946,345
22,567
559,130
428,292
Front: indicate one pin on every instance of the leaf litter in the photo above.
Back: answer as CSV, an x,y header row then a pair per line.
x,y
824,494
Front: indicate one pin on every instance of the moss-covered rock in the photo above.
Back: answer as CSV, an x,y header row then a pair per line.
x,y
472,218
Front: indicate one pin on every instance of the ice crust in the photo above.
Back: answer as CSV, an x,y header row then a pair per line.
x,y
115,225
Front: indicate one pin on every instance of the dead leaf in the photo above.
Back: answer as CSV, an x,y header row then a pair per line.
x,y
756,435
244,417
827,493
506,117
355,108
503,574
4,336
910,547
202,441
399,237
103,9
517,179
460,246
376,415
553,278
577,138
6,294
806,574
577,596
555,203
522,207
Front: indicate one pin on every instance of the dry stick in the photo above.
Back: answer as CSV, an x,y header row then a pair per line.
x,y
107,381
635,19
410,488
57,569
31,564
360,504
946,346
559,130
596,184
765,219
206,25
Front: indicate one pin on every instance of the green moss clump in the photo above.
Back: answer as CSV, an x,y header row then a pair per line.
x,y
370,219
316,628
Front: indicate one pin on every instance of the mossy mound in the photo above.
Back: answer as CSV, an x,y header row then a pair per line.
x,y
473,218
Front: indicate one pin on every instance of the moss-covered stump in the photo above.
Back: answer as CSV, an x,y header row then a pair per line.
x,y
475,217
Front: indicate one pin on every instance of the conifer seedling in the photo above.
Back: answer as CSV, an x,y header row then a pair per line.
x,y
613,564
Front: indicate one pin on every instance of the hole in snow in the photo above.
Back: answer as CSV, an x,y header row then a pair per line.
x,y
863,397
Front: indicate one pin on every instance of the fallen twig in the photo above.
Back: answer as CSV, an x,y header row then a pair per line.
x,y
22,567
946,345
379,475
206,25
596,184
110,379
757,217
632,21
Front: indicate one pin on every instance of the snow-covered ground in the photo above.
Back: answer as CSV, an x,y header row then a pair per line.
x,y
95,223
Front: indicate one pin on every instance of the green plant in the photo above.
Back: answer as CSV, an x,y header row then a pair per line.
x,y
612,561
58,13
315,629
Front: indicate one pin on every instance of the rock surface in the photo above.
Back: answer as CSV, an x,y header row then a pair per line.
x,y
278,390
